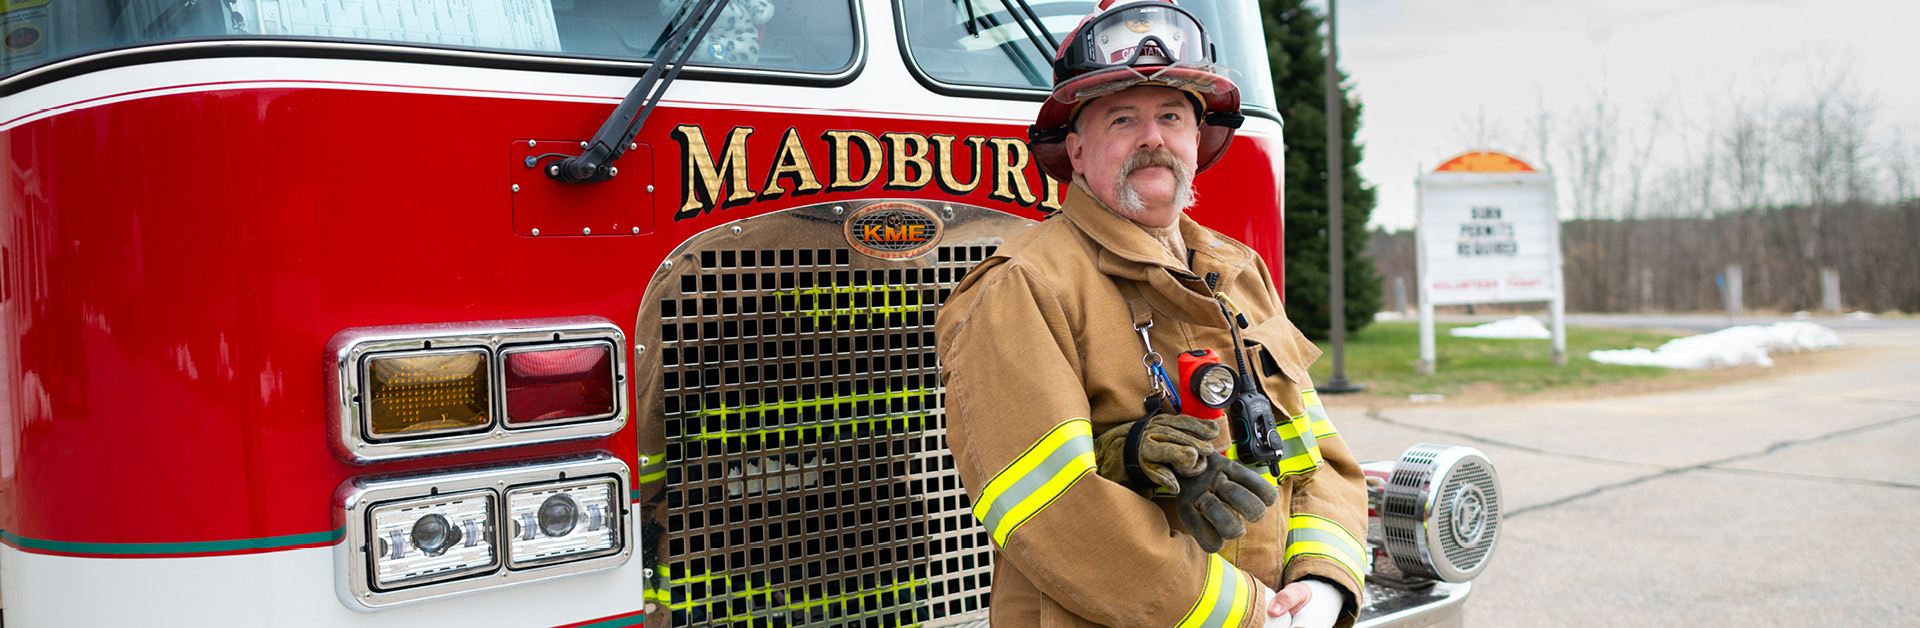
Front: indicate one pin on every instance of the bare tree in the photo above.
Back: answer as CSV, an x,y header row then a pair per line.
x,y
1590,154
1900,167
1748,145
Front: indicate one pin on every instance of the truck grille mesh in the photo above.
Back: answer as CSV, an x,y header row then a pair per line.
x,y
807,480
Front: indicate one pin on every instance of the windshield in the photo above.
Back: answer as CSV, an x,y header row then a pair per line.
x,y
997,53
802,35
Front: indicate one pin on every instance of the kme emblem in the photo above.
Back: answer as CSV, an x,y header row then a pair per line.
x,y
893,230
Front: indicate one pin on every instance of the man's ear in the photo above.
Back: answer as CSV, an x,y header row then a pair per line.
x,y
1073,149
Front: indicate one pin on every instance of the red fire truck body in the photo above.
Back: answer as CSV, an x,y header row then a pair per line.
x,y
209,240
186,229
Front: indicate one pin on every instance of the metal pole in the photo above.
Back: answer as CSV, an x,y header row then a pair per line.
x,y
1336,225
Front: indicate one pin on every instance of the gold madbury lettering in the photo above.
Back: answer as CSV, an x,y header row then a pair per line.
x,y
908,150
1054,187
791,163
909,161
842,144
943,169
1010,172
704,179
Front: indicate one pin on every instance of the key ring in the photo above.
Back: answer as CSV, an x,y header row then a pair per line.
x,y
1157,379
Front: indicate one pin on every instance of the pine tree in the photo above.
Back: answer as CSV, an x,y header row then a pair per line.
x,y
1297,55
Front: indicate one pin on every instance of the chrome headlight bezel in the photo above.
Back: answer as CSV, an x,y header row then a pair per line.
x,y
359,499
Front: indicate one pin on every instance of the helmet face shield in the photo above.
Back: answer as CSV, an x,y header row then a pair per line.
x,y
1183,76
1141,33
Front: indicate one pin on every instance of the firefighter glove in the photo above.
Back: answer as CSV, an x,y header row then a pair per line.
x,y
1217,504
1159,449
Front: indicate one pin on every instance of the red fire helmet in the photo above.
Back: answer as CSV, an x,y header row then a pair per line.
x,y
1121,45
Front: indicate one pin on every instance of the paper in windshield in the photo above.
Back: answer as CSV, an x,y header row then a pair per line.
x,y
509,24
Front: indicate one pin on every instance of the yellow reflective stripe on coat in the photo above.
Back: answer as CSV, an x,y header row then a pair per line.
x,y
1313,535
1317,415
1299,446
1036,478
1307,424
1224,601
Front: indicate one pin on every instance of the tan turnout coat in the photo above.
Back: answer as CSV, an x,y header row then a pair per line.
x,y
1040,354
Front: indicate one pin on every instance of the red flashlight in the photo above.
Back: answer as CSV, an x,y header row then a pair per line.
x,y
1206,381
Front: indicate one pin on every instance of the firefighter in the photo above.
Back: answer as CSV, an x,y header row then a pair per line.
x,y
1105,504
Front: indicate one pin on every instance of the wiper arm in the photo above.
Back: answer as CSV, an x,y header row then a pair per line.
x,y
1020,16
1052,46
611,141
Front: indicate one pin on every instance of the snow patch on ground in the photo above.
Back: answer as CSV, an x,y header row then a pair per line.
x,y
1518,327
1733,346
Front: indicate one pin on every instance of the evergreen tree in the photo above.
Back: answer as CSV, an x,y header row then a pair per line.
x,y
1297,54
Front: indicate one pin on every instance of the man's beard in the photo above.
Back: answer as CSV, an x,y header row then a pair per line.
x,y
1128,199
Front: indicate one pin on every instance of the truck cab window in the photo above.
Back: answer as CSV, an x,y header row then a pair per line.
x,y
783,35
994,54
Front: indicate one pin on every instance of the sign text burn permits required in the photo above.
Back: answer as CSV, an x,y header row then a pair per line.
x,y
1488,238
1488,232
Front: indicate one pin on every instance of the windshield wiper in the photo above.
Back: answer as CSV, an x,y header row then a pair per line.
x,y
1020,16
617,133
1052,45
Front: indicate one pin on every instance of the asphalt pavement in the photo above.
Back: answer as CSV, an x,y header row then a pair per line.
x,y
1698,322
1789,500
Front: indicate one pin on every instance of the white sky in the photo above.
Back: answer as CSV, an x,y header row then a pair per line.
x,y
1426,70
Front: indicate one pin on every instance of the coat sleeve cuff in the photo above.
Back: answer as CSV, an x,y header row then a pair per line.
x,y
1314,539
1319,548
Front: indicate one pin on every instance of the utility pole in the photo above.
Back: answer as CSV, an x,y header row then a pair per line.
x,y
1336,225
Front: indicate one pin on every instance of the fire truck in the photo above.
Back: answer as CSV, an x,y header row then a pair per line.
x,y
582,313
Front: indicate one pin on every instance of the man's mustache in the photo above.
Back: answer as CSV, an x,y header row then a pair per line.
x,y
1156,157
1129,201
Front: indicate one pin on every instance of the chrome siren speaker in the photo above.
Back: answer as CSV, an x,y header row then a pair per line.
x,y
1440,511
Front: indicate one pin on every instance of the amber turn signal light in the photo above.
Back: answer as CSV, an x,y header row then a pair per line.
x,y
427,394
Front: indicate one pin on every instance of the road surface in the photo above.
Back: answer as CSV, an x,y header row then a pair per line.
x,y
1791,500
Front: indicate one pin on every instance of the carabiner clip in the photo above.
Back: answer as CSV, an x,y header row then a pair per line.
x,y
1159,383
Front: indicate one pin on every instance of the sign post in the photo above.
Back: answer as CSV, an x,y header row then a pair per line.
x,y
1488,232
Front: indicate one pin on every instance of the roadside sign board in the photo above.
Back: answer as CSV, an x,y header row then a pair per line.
x,y
1489,238
1488,232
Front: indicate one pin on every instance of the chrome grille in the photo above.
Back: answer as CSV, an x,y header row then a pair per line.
x,y
1466,534
1441,511
797,410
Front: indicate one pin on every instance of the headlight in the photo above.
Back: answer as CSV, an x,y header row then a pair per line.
x,y
1439,514
430,536
421,541
550,522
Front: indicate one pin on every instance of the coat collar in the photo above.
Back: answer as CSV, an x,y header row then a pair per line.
x,y
1127,252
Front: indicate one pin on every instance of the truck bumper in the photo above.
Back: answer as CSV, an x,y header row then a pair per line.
x,y
1442,605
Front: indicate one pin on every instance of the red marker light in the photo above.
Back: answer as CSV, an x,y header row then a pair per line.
x,y
574,382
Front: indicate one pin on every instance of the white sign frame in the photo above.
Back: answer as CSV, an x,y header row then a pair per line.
x,y
1488,238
